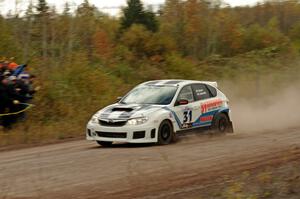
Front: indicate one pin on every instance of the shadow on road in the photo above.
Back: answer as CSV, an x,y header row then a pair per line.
x,y
181,138
124,145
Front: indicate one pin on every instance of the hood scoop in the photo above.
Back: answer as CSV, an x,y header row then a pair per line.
x,y
122,109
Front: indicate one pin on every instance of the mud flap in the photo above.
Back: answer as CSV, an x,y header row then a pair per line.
x,y
230,127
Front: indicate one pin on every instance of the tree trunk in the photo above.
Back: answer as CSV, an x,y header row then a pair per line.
x,y
44,39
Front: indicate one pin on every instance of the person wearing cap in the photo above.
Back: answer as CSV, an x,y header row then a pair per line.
x,y
6,73
12,78
12,65
25,91
23,88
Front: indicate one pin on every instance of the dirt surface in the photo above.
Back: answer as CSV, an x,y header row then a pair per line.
x,y
81,169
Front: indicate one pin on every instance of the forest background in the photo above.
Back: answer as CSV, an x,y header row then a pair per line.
x,y
85,59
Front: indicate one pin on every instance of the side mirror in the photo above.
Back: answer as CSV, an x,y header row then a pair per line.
x,y
182,102
119,98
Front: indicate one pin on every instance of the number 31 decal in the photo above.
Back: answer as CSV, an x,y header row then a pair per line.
x,y
187,116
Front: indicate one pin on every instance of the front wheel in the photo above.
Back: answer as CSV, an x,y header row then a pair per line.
x,y
104,144
221,124
165,133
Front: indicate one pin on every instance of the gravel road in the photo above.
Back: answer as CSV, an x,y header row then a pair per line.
x,y
81,169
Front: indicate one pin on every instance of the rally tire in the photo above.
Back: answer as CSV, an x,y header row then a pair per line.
x,y
221,124
104,143
165,133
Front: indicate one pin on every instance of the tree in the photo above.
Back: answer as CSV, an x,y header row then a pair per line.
x,y
42,18
136,38
172,22
150,21
42,7
8,44
195,27
86,26
134,13
69,20
103,45
27,33
258,37
230,34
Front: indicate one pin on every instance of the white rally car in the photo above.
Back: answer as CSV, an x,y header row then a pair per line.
x,y
156,111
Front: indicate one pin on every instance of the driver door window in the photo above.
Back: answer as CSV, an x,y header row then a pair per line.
x,y
186,94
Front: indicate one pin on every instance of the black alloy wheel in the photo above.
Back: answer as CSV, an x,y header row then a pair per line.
x,y
165,133
220,123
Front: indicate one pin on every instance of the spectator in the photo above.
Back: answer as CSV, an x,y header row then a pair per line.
x,y
16,89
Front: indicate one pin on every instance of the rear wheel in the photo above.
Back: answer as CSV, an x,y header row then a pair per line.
x,y
165,133
104,144
221,123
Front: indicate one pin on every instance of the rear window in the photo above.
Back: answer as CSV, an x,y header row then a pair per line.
x,y
212,90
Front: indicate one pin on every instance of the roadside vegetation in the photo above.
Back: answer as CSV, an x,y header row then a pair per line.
x,y
84,59
281,181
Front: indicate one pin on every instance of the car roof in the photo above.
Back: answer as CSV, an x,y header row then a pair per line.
x,y
178,82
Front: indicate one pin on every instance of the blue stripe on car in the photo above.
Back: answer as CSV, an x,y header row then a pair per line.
x,y
211,113
198,122
175,116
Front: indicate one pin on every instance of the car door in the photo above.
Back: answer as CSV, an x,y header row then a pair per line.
x,y
187,114
208,103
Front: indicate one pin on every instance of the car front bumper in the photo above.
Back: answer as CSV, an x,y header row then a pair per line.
x,y
144,133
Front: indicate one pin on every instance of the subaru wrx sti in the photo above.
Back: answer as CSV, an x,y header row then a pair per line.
x,y
156,111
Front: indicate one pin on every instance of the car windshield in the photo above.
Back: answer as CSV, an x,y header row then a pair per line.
x,y
160,95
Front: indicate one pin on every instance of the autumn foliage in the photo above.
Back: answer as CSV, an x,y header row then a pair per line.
x,y
85,58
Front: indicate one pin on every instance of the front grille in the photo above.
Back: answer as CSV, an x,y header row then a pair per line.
x,y
138,134
112,123
111,134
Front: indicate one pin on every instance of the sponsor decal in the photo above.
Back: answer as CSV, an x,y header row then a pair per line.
x,y
187,116
211,105
206,118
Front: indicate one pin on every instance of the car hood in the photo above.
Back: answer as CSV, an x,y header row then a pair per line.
x,y
127,111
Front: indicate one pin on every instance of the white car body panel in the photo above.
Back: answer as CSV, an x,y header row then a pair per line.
x,y
193,115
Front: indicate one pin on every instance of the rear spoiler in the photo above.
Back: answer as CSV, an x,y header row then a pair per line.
x,y
214,84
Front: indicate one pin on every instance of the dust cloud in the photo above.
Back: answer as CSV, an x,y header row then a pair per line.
x,y
268,111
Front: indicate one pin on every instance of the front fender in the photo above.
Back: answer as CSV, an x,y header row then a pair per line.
x,y
164,114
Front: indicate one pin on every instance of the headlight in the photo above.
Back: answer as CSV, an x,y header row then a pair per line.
x,y
94,120
137,121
